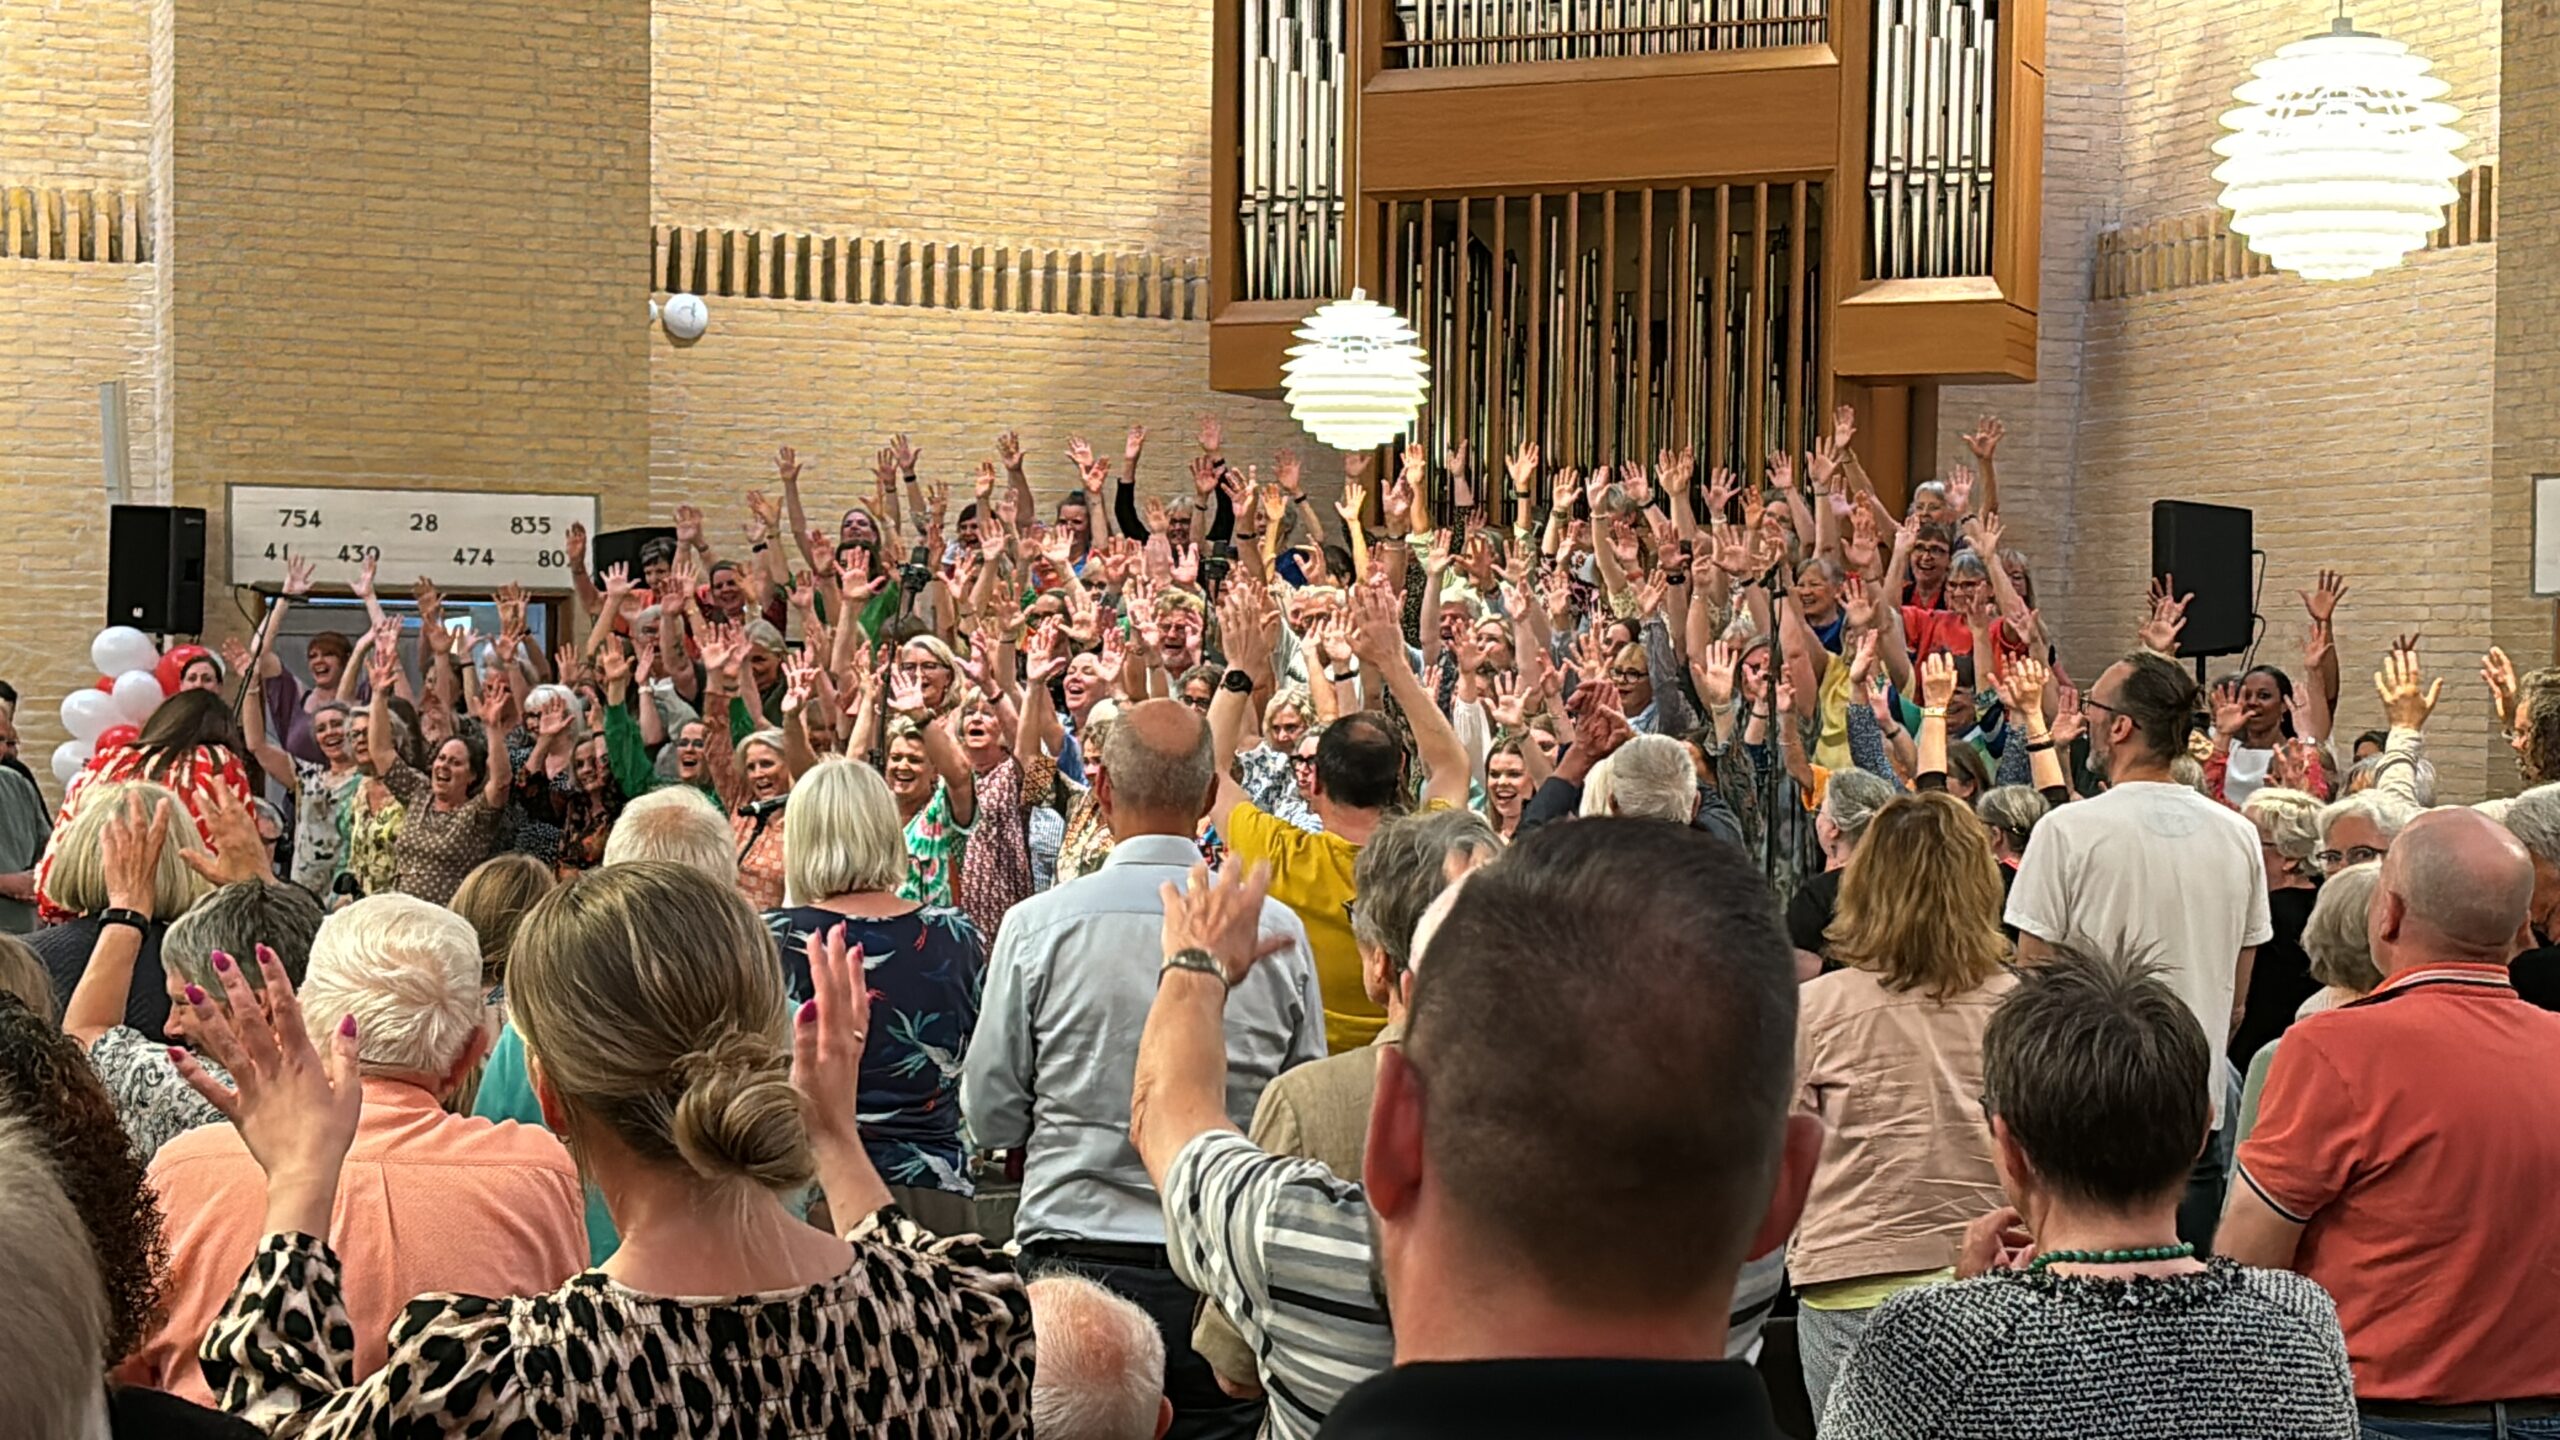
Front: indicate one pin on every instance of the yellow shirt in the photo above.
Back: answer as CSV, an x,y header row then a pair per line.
x,y
1311,874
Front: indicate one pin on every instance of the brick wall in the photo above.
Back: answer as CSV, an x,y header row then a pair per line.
x,y
2526,425
2355,418
836,381
75,92
1078,124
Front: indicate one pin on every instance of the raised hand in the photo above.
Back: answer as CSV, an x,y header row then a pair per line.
x,y
2499,674
1355,498
2398,682
1080,453
617,582
799,677
297,576
430,603
2022,686
382,665
1959,488
1186,565
1285,470
575,543
1844,427
2159,634
1822,462
1859,550
129,850
1985,438
1222,916
1523,467
786,465
904,454
906,692
2229,715
854,577
827,1037
1009,450
1716,674
2323,599
235,656
1213,436
2070,722
1937,680
1862,662
1137,442
364,575
295,1110
984,483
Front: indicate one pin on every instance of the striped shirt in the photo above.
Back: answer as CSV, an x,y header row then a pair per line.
x,y
1284,1247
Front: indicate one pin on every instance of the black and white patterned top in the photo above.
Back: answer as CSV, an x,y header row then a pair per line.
x,y
155,1103
2226,1353
922,1337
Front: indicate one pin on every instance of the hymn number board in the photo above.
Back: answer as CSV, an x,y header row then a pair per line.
x,y
464,540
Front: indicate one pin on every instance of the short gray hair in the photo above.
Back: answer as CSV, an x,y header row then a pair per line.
x,y
841,834
1402,869
1101,1372
543,696
678,823
55,1326
2012,811
2389,813
236,920
1159,781
409,972
1852,799
1653,777
2534,816
2334,937
2287,819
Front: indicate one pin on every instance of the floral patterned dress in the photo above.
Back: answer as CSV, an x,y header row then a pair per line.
x,y
373,835
934,843
924,969
995,870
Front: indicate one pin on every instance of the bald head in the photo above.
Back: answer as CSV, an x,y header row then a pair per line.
x,y
2456,886
1157,771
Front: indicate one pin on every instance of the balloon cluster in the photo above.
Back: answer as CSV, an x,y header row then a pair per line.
x,y
133,678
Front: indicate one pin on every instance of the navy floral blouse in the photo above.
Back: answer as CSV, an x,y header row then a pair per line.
x,y
925,969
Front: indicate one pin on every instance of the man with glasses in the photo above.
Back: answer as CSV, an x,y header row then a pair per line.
x,y
2150,870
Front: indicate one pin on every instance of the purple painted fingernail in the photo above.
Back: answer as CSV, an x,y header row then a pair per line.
x,y
808,1012
194,996
221,961
347,1027
177,1053
266,956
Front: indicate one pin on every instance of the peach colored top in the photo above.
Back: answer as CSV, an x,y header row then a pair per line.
x,y
428,1202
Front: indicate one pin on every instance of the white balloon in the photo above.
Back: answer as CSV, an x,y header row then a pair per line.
x,y
137,694
85,713
119,648
69,758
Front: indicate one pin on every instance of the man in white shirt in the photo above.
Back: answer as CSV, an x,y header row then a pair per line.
x,y
1056,1048
2152,871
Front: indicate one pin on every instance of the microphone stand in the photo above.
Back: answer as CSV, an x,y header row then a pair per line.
x,y
1773,775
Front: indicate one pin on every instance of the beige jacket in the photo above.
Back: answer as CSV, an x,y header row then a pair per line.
x,y
1896,1079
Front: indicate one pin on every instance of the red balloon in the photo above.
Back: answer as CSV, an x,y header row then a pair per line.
x,y
107,684
116,737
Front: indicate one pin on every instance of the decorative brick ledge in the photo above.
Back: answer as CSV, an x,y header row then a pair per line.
x,y
85,227
928,274
2179,252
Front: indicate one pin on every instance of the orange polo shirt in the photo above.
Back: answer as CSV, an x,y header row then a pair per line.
x,y
428,1202
2413,1135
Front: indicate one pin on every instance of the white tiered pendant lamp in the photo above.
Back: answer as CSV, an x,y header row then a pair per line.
x,y
2341,158
1356,377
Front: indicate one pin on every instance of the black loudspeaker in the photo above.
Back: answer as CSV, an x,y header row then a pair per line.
x,y
2206,551
155,568
622,547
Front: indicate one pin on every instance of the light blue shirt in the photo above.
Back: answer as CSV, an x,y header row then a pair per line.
x,y
1056,1048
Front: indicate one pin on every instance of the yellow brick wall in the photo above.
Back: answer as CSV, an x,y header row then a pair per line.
x,y
2354,418
836,381
1080,124
88,324
75,92
408,245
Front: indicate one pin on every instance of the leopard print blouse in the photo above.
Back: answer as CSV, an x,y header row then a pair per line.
x,y
922,1337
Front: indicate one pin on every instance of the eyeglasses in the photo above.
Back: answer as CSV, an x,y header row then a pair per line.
x,y
2332,860
1629,675
1302,760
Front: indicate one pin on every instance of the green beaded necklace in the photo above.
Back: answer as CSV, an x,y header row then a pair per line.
x,y
2111,1257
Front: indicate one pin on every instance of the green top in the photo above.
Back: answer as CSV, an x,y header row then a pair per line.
x,y
628,754
506,1093
933,851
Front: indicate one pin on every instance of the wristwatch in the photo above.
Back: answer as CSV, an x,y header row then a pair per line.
x,y
119,916
1237,681
1195,958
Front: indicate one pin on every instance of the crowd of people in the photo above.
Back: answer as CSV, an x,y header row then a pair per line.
x,y
1502,953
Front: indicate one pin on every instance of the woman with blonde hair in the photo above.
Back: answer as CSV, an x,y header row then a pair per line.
x,y
1889,1057
697,1113
845,863
76,885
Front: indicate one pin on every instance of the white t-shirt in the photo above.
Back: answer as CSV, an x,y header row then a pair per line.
x,y
2244,773
2153,872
